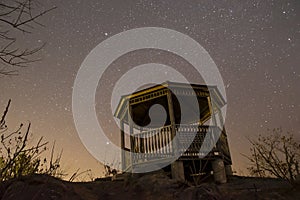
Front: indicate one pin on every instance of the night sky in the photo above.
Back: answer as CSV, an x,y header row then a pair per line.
x,y
253,43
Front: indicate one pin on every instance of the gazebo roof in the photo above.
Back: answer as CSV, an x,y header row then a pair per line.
x,y
141,100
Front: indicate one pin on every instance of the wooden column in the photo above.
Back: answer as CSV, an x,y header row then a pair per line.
x,y
211,109
177,167
228,168
172,120
222,122
219,171
122,145
178,171
131,139
221,118
213,117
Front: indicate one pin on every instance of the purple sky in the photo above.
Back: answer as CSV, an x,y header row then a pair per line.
x,y
254,44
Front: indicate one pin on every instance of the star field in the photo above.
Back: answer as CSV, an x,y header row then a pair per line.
x,y
254,43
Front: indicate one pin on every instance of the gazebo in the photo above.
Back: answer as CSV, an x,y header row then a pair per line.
x,y
183,141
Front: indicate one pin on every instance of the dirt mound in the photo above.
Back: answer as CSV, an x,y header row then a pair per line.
x,y
149,186
37,187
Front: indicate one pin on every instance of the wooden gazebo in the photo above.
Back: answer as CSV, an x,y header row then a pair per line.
x,y
150,146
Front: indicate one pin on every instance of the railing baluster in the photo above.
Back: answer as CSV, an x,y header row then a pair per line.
x,y
169,140
143,146
165,142
160,142
155,142
135,149
147,144
151,143
139,147
166,139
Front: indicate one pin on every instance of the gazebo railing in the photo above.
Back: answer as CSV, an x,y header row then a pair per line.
x,y
152,144
156,143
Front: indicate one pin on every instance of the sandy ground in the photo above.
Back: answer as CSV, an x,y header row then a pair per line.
x,y
152,186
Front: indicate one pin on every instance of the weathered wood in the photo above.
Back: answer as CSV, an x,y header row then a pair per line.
x,y
178,171
122,145
219,171
131,137
172,120
213,117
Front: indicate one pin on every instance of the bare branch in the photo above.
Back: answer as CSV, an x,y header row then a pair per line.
x,y
20,16
17,159
276,155
2,121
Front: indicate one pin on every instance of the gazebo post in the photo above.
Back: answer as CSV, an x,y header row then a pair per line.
x,y
213,117
131,136
122,144
228,168
217,164
172,119
211,109
177,166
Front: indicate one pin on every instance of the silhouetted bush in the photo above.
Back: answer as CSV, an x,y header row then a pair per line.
x,y
17,158
276,155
